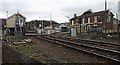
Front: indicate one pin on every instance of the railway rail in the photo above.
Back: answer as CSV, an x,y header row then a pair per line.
x,y
105,53
101,44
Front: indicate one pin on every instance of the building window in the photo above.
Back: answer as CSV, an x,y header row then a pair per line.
x,y
89,20
21,21
109,16
17,21
109,19
72,22
88,28
77,20
95,19
83,20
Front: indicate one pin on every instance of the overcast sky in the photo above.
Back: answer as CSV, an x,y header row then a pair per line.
x,y
41,9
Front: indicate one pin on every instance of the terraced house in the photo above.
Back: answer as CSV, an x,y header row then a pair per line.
x,y
16,25
89,21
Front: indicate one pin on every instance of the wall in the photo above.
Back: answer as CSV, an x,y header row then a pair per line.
x,y
11,22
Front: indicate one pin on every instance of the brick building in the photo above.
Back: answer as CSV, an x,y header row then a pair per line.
x,y
89,21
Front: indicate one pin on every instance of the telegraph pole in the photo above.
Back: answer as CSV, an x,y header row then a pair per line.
x,y
51,22
42,24
117,22
117,25
106,16
7,30
6,14
105,5
50,19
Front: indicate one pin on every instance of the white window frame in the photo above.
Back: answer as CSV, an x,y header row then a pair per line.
x,y
88,27
20,22
17,21
109,16
98,16
72,22
95,19
83,20
88,19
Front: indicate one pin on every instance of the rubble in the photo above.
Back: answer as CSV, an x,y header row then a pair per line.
x,y
28,40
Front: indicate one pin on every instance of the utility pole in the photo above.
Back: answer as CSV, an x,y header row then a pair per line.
x,y
68,17
6,14
7,30
117,24
51,22
117,27
69,24
42,24
68,20
105,5
50,19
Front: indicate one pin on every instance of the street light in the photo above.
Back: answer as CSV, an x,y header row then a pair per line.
x,y
68,17
41,24
51,20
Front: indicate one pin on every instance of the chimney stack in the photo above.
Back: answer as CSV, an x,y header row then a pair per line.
x,y
75,15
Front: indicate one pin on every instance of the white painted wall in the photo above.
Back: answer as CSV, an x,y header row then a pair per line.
x,y
73,32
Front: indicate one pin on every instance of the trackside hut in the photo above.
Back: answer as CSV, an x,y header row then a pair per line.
x,y
16,25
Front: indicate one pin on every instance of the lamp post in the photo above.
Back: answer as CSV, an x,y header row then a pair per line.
x,y
117,27
51,22
117,23
41,24
69,24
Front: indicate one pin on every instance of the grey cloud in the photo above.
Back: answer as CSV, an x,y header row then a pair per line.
x,y
59,9
113,6
97,7
77,9
12,6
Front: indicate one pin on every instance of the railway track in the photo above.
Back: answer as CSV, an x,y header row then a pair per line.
x,y
100,44
105,53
